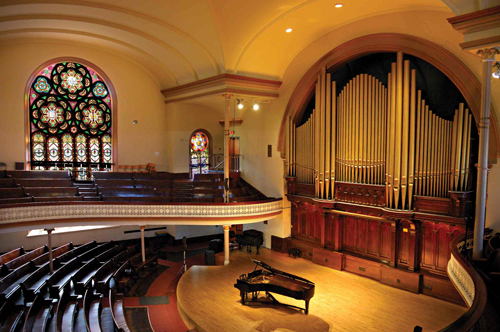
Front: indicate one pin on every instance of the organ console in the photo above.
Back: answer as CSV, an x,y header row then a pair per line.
x,y
375,172
269,279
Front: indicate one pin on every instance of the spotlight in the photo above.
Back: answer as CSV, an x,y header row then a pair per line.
x,y
255,107
339,5
496,70
288,30
240,105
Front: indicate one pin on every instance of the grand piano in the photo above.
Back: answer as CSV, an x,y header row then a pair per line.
x,y
269,279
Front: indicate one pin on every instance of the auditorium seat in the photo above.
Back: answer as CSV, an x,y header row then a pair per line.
x,y
66,311
116,305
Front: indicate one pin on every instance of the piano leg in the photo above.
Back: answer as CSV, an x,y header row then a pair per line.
x,y
243,295
307,307
258,250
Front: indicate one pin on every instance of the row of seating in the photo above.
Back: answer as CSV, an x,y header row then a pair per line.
x,y
123,187
32,299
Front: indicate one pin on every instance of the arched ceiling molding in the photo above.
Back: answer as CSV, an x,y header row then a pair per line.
x,y
452,5
268,25
436,55
340,25
46,40
107,24
87,34
149,18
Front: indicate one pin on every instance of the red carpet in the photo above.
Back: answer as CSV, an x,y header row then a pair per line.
x,y
165,317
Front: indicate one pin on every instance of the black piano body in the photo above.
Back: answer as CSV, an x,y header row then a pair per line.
x,y
270,280
250,238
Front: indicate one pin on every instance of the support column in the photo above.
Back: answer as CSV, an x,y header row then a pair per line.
x,y
488,56
51,262
226,243
143,247
227,161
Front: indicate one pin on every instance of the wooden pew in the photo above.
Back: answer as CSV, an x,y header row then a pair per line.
x,y
39,174
11,316
37,280
7,182
137,199
77,251
16,192
116,304
126,255
62,277
44,182
51,191
103,276
122,278
82,278
21,260
58,199
92,307
133,192
115,183
153,176
136,261
42,259
11,255
163,184
209,177
38,315
67,308
243,199
89,255
11,282
112,175
19,200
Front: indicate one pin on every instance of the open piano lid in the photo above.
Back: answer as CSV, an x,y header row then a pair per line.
x,y
275,271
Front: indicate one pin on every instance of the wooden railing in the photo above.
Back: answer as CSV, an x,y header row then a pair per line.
x,y
470,285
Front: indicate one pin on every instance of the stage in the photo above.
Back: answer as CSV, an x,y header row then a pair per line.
x,y
208,301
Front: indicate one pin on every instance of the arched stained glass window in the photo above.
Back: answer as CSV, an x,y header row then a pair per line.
x,y
53,148
81,148
67,147
70,118
199,153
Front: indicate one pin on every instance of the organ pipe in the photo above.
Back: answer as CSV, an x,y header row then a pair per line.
x,y
376,134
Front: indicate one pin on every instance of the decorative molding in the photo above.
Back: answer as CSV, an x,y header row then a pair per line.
x,y
221,84
477,21
232,122
11,217
462,280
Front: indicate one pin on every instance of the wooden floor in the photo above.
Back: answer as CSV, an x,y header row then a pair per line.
x,y
208,301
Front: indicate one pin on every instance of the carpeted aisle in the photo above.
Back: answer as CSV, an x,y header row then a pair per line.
x,y
161,300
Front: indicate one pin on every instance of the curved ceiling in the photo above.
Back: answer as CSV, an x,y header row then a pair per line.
x,y
185,41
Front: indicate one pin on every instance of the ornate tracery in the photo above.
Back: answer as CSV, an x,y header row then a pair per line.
x,y
70,112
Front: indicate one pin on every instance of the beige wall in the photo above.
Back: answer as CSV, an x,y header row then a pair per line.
x,y
138,94
182,120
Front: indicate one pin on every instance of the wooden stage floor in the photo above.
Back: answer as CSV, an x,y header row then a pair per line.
x,y
208,301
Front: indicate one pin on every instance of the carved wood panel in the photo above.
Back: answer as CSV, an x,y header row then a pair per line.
x,y
360,193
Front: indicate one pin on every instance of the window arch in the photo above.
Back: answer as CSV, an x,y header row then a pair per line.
x,y
70,118
200,151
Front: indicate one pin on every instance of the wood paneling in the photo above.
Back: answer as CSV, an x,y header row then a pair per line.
x,y
328,258
362,267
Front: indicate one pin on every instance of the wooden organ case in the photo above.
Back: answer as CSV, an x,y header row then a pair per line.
x,y
379,183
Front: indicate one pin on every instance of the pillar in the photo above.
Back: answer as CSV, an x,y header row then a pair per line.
x,y
49,235
488,56
227,161
226,244
143,247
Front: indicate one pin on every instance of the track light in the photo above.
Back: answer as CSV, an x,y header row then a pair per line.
x,y
240,105
255,107
496,70
288,30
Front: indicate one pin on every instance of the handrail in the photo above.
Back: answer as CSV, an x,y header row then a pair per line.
x,y
469,319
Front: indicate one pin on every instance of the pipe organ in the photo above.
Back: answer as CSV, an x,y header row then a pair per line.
x,y
377,177
373,134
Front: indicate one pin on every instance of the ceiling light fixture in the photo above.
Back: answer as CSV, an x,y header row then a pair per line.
x,y
288,30
496,70
240,105
339,5
255,107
